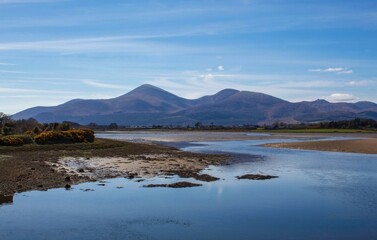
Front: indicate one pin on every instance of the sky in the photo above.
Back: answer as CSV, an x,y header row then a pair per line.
x,y
52,51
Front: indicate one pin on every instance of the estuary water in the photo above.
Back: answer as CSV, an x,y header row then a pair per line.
x,y
318,195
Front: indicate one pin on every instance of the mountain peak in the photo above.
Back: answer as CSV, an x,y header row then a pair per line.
x,y
228,91
320,101
146,88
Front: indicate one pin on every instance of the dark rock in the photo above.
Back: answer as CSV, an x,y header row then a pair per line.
x,y
190,174
174,185
67,186
205,178
87,190
6,199
132,175
256,177
81,170
67,178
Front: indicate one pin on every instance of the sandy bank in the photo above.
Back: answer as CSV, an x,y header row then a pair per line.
x,y
368,145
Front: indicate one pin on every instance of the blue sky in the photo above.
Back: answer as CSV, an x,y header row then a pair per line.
x,y
52,51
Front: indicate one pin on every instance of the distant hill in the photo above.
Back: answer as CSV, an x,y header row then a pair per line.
x,y
149,105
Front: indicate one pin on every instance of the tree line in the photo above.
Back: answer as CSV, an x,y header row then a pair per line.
x,y
358,123
31,126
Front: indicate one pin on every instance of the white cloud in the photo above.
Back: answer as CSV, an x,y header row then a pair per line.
x,y
341,97
94,83
346,72
339,70
362,83
220,68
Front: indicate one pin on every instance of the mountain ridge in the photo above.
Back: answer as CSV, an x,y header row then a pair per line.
x,y
148,105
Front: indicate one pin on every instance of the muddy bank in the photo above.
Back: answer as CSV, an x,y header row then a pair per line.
x,y
368,145
33,167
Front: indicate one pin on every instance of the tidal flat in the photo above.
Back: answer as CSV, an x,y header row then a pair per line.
x,y
41,167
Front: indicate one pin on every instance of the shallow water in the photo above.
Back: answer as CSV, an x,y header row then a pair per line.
x,y
318,195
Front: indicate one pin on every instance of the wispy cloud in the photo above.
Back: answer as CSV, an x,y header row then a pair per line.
x,y
341,97
361,83
26,1
30,91
339,70
220,68
7,64
346,72
190,84
94,83
8,71
118,44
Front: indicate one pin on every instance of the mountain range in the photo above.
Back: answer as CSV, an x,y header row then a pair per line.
x,y
149,105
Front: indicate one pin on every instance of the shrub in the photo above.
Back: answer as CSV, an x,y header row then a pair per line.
x,y
11,141
26,139
70,136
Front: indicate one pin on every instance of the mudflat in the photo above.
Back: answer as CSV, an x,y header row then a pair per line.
x,y
40,167
368,145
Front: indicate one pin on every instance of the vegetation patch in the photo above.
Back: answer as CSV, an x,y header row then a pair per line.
x,y
64,137
11,141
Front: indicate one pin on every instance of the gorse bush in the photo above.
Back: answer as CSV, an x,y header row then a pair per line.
x,y
70,136
12,140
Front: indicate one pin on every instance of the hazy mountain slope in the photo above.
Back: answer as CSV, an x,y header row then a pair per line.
x,y
149,105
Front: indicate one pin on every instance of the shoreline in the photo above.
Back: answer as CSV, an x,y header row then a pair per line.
x,y
363,146
175,136
42,167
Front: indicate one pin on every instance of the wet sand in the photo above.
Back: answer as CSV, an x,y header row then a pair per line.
x,y
368,146
36,167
